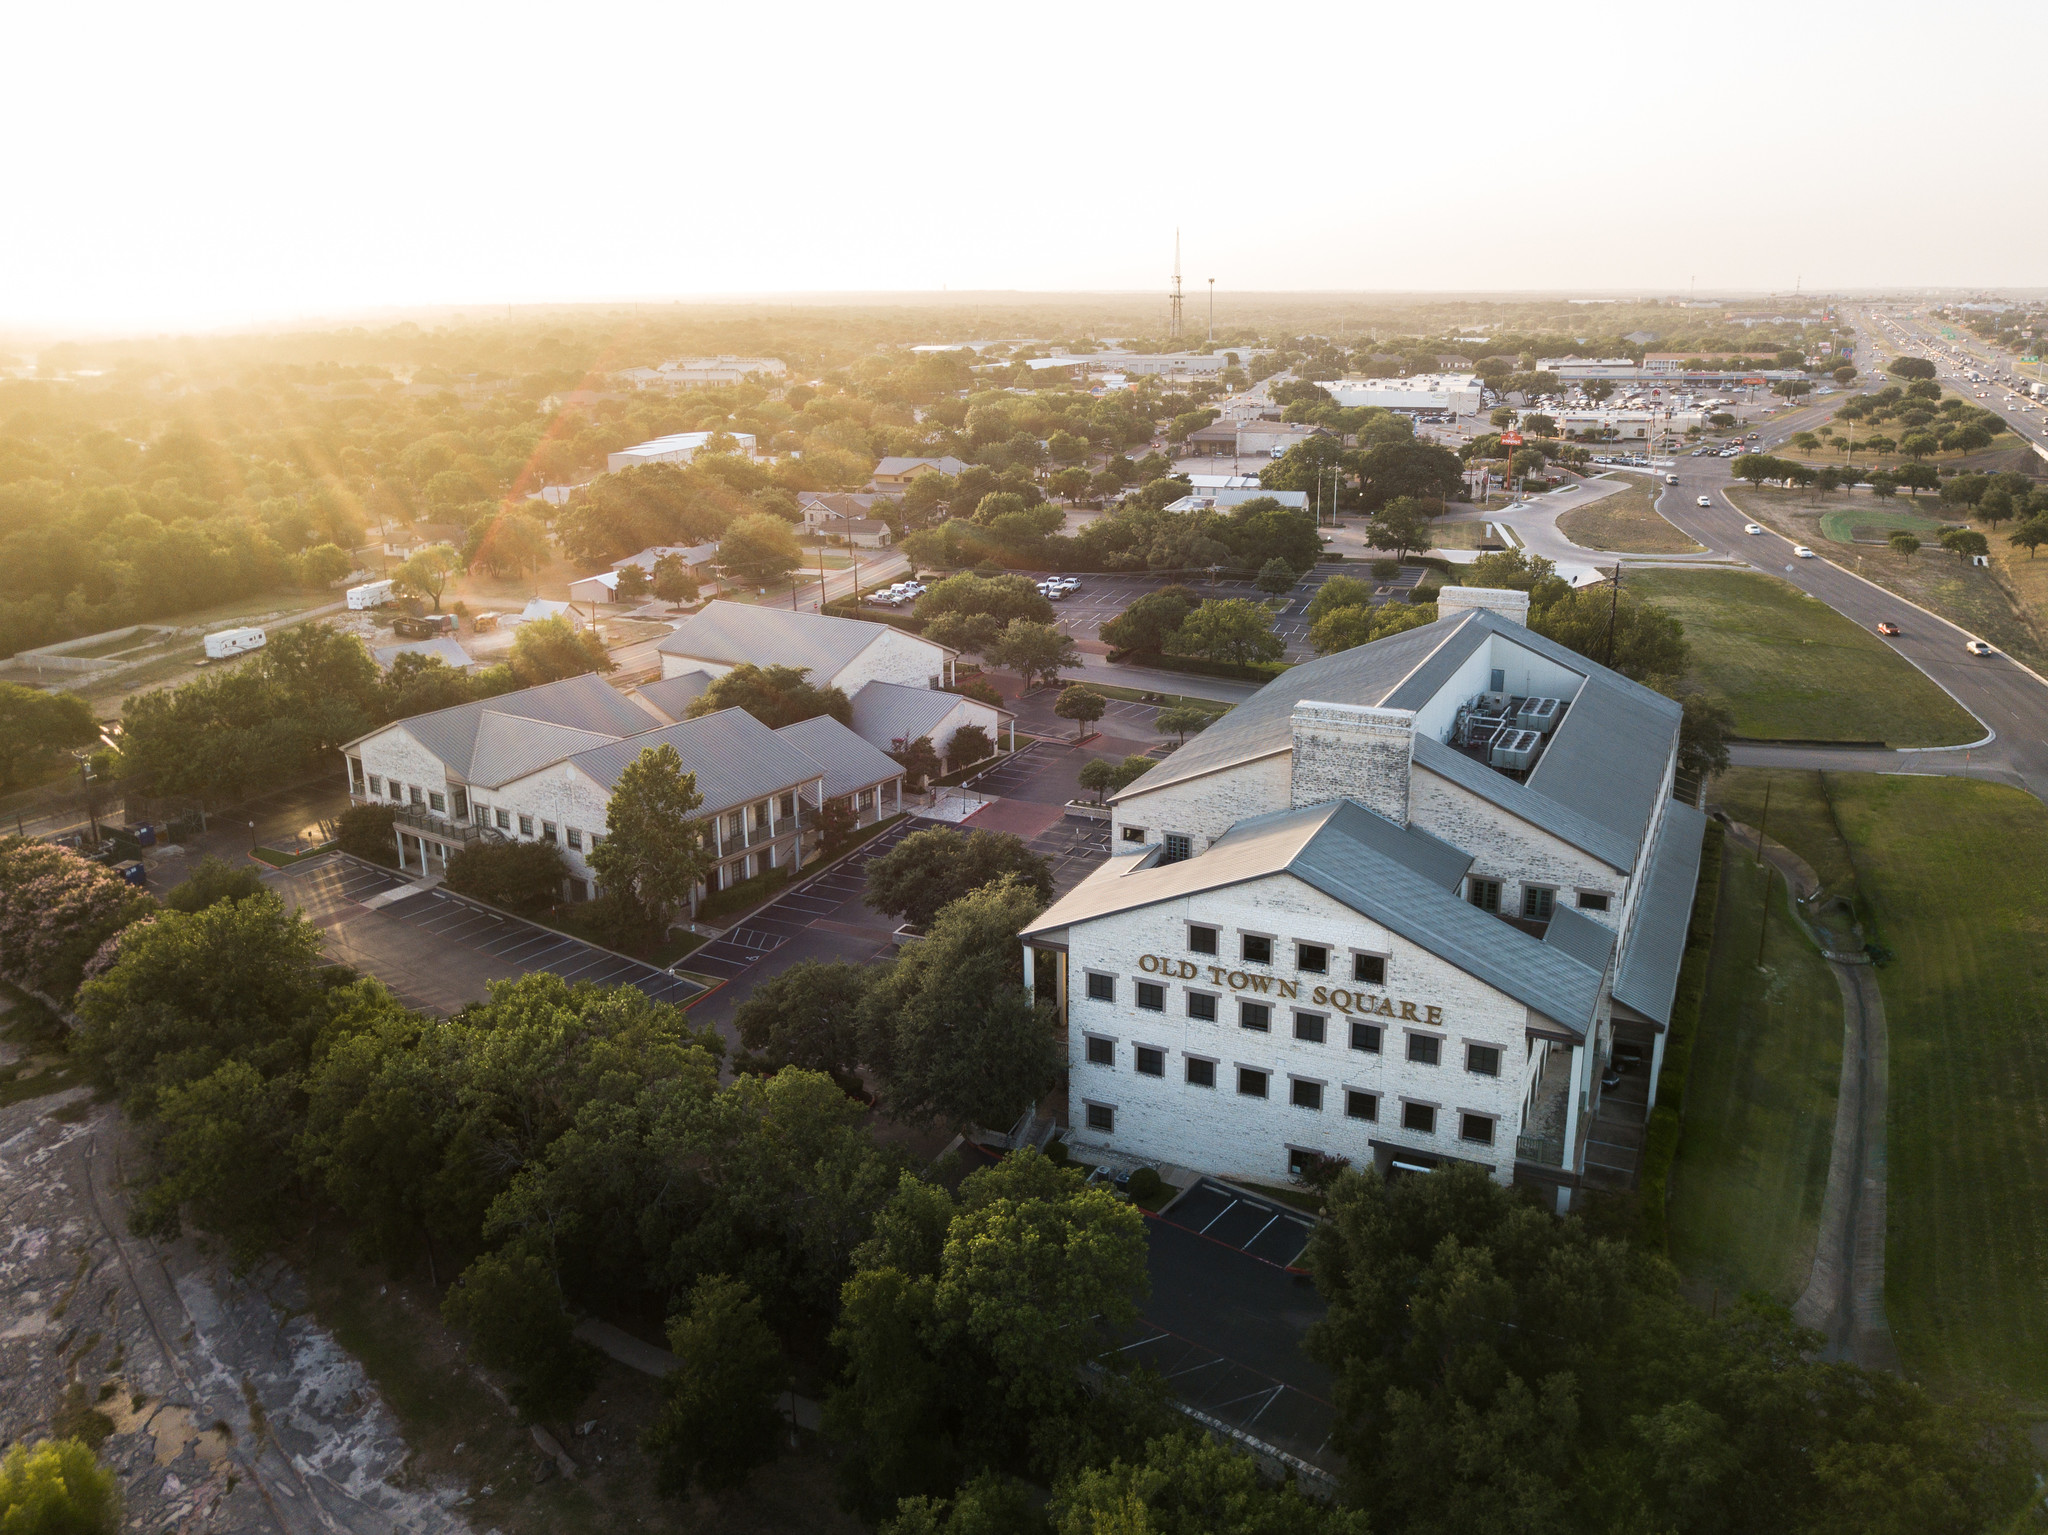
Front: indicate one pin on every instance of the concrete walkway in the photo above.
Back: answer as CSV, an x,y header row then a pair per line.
x,y
1844,1295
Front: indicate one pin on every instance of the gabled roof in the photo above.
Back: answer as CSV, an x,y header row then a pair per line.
x,y
849,762
946,464
731,632
441,648
569,715
1400,877
1649,971
736,758
887,712
674,695
1519,800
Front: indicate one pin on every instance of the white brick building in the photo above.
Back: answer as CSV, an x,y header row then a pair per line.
x,y
1397,907
540,765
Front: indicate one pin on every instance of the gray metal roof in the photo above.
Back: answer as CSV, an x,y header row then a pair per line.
x,y
1581,937
505,748
1606,760
887,712
1649,971
736,758
1402,878
1519,800
586,704
1263,724
731,632
849,762
674,695
441,648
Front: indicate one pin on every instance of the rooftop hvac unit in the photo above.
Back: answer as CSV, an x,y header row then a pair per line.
x,y
1515,750
1538,714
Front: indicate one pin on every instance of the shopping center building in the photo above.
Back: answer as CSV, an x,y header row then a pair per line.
x,y
1399,907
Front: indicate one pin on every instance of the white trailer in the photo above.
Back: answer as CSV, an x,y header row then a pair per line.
x,y
371,594
233,642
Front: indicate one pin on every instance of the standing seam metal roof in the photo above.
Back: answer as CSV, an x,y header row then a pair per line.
x,y
736,758
585,703
1649,971
850,763
732,633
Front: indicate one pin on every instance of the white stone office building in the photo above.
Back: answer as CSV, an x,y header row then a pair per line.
x,y
539,765
1399,907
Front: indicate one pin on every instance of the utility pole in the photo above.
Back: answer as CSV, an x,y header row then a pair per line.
x,y
1763,924
1212,311
1613,610
1173,326
1763,821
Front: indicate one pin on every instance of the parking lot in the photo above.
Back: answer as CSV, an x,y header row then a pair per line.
x,y
1265,1229
438,951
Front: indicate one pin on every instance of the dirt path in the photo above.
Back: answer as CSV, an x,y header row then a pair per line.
x,y
1844,1294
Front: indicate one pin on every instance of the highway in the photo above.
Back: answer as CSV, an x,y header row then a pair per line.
x,y
2011,701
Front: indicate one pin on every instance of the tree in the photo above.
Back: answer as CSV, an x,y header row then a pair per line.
x,y
919,760
1805,442
1703,732
634,583
2029,535
1845,375
1070,484
1234,631
947,1026
673,580
970,744
56,1487
774,695
222,1148
512,1307
1081,704
1001,597
1340,592
549,649
509,543
35,724
1183,720
1904,543
1919,444
759,550
1402,525
1911,368
213,880
1642,642
1994,507
964,632
1344,627
365,831
1276,576
323,565
929,870
1098,777
1965,544
1883,486
1145,627
718,1419
1421,470
652,853
808,1016
427,571
1188,1484
519,876
1919,477
1032,650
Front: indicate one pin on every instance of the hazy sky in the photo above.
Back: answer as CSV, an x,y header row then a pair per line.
x,y
207,164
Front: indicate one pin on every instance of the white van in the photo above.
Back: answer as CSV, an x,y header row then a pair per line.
x,y
371,594
233,642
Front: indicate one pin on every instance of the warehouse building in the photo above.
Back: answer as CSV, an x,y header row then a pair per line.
x,y
1424,394
676,448
1410,904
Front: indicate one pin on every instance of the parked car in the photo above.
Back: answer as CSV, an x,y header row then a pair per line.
x,y
1887,627
1978,648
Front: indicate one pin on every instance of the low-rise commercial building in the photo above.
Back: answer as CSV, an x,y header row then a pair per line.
x,y
703,372
894,473
843,653
1400,906
676,448
1423,394
1246,439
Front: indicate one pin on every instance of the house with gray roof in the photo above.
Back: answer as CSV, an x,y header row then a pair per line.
x,y
890,716
844,653
541,764
1419,902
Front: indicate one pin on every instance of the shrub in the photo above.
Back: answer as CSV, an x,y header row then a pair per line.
x,y
365,831
1385,570
57,910
58,1486
213,880
1057,1152
519,876
1145,1184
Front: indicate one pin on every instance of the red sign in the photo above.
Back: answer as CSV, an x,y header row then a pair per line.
x,y
1510,439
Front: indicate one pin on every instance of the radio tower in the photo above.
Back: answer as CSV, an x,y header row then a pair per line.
x,y
1173,329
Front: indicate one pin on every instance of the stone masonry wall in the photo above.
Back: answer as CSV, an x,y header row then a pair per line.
x,y
1350,751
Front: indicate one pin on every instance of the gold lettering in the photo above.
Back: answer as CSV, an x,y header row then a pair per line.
x,y
1341,999
1290,988
1260,983
1149,963
1320,996
1408,1012
1216,974
1385,1009
1436,1016
1188,970
1237,980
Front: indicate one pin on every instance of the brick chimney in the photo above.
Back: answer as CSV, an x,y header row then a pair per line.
x,y
1351,751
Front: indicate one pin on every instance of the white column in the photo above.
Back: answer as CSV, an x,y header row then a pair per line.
x,y
1030,971
1571,1113
1656,1068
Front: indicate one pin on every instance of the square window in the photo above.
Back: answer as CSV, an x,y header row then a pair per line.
x,y
1101,1052
1592,900
1305,1095
1255,1015
1365,1036
1483,1060
1250,1083
377,785
1309,1026
1178,848
1101,988
482,813
1202,1006
1151,1062
1134,834
1475,1127
417,797
1359,1105
1369,968
1201,1073
526,826
1419,1117
1425,1049
595,839
504,820
1201,940
437,802
1483,893
547,831
575,839
1255,950
1152,996
1101,1117
1538,902
1313,957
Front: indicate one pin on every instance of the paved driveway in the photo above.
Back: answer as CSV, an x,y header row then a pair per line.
x,y
438,951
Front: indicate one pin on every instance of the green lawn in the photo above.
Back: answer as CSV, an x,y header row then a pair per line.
x,y
1955,872
1752,1163
1626,521
1790,667
1797,816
